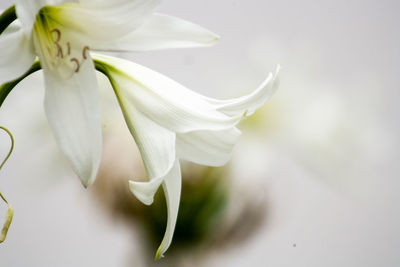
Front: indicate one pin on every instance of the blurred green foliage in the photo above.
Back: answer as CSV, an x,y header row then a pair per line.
x,y
203,200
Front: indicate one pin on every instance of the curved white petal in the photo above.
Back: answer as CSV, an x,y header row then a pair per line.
x,y
157,148
211,148
163,100
26,12
145,191
102,20
73,110
251,102
156,144
15,26
172,190
17,53
27,9
159,32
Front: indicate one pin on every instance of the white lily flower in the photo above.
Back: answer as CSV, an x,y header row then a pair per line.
x,y
169,122
61,33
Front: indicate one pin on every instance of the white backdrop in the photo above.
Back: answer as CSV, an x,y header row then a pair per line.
x,y
330,154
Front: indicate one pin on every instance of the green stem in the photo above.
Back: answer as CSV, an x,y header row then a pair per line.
x,y
7,18
6,88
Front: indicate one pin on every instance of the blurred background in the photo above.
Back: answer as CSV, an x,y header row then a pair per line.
x,y
313,181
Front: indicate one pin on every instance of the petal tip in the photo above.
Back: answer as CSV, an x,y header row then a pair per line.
x,y
86,176
159,255
214,39
85,185
144,198
87,182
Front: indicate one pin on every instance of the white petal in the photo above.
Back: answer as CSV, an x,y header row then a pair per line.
x,y
15,26
212,148
172,191
27,9
17,54
26,12
73,110
156,144
102,20
165,101
160,32
251,102
157,148
145,191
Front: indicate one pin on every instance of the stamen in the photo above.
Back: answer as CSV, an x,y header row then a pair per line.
x,y
84,52
56,42
77,63
69,48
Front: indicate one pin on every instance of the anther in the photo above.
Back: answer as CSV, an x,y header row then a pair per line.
x,y
77,63
84,51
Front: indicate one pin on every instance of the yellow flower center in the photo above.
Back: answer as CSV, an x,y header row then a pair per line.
x,y
54,46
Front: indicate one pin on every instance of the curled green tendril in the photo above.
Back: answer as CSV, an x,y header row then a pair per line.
x,y
10,211
7,223
11,148
6,18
